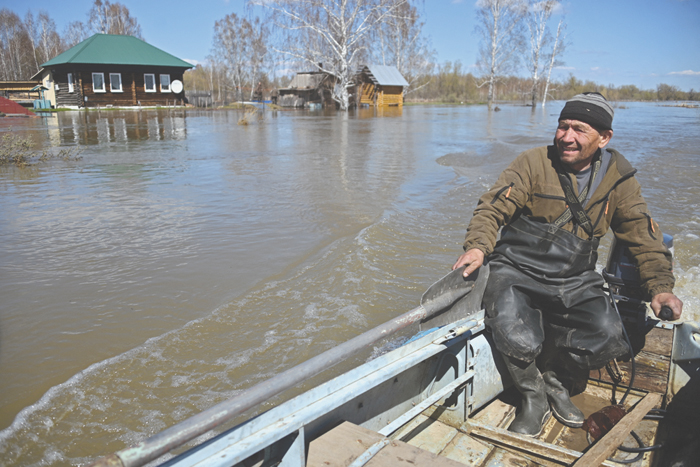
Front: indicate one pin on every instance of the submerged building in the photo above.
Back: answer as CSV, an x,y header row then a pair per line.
x,y
308,88
108,70
380,86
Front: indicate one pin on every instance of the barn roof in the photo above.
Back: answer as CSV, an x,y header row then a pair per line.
x,y
112,49
383,75
307,80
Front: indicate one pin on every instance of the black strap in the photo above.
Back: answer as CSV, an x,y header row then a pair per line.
x,y
577,212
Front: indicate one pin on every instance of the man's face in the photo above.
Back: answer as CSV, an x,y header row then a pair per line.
x,y
577,142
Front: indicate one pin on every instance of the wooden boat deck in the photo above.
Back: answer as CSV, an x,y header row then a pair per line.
x,y
483,441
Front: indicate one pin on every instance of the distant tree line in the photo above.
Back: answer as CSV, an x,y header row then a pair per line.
x,y
451,84
276,38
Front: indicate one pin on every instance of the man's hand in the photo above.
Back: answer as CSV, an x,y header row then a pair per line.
x,y
669,300
472,259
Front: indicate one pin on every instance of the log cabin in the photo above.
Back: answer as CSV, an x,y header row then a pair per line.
x,y
108,70
379,85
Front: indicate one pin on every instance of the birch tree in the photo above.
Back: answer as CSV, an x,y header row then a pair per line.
x,y
241,46
329,35
400,42
15,52
557,50
499,22
112,18
538,16
50,43
74,33
32,35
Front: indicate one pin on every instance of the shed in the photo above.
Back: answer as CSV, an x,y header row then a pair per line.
x,y
380,85
22,92
113,70
308,87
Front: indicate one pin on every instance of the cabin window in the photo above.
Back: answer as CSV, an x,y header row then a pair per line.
x,y
98,82
164,83
150,82
115,82
70,82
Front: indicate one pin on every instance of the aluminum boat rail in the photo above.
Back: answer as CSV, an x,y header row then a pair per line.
x,y
204,422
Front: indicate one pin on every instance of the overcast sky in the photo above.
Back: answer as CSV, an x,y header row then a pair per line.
x,y
618,42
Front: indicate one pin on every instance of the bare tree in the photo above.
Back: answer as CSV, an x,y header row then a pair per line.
x,y
230,48
401,43
539,12
75,33
329,35
259,50
112,18
50,43
32,35
499,22
241,45
15,50
557,50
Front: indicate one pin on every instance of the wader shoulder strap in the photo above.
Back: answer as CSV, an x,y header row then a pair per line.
x,y
574,210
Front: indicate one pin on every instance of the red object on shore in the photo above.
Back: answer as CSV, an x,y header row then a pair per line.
x,y
9,107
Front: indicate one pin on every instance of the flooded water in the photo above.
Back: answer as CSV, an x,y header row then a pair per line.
x,y
185,257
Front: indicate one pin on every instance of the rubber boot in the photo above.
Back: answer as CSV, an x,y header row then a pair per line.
x,y
534,408
558,396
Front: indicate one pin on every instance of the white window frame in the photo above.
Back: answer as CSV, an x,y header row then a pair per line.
x,y
164,89
145,84
112,88
71,87
102,77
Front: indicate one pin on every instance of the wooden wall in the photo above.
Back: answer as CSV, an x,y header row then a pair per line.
x,y
133,86
390,96
380,95
63,97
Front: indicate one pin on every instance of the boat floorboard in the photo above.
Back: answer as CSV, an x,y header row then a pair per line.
x,y
342,445
492,445
482,442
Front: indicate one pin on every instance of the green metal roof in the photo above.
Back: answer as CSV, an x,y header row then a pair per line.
x,y
112,49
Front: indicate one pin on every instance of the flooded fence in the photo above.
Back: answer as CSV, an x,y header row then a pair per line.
x,y
199,98
206,99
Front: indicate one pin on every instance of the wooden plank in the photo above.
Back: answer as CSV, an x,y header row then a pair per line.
x,y
610,442
652,362
503,457
659,341
525,446
434,437
343,444
467,450
497,413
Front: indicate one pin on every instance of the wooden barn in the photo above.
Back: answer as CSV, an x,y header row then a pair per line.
x,y
308,88
108,70
380,85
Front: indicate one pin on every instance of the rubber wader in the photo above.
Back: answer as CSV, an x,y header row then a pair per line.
x,y
534,408
563,408
543,282
562,378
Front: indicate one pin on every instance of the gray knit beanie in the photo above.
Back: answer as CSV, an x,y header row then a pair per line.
x,y
591,108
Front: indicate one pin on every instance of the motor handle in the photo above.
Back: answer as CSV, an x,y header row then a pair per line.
x,y
666,313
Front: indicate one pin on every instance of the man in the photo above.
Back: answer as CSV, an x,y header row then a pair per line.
x,y
556,202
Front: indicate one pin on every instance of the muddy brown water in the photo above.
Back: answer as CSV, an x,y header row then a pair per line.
x,y
185,257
